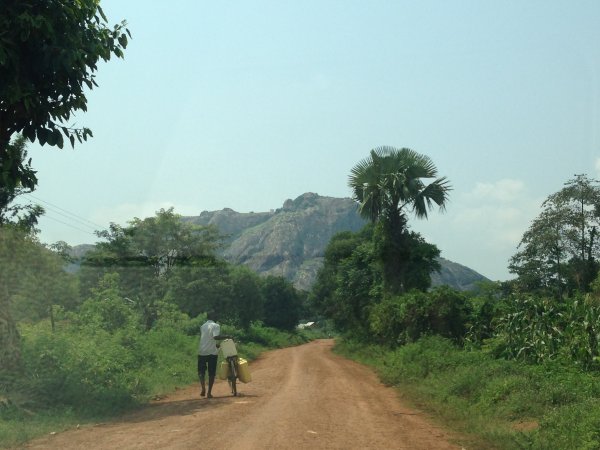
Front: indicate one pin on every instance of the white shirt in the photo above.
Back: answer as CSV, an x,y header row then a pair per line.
x,y
208,345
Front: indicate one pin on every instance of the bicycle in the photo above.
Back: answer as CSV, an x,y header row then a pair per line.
x,y
232,375
229,352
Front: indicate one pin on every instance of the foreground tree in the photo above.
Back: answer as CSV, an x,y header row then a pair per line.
x,y
388,185
49,52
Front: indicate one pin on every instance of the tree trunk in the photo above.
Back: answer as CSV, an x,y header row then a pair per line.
x,y
395,253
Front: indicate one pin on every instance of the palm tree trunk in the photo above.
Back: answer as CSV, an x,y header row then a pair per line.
x,y
395,253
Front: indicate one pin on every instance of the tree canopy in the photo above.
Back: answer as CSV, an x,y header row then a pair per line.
x,y
560,249
390,180
25,216
145,254
49,53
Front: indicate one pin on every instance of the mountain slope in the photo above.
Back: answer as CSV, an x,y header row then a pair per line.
x,y
291,241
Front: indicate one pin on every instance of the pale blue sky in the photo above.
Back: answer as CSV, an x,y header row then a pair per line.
x,y
244,104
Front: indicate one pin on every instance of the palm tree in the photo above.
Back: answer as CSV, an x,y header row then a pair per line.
x,y
386,185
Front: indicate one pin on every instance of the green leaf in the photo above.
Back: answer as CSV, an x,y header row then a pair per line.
x,y
51,138
29,133
102,13
42,135
58,138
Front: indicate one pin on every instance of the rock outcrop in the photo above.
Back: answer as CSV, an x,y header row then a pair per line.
x,y
291,240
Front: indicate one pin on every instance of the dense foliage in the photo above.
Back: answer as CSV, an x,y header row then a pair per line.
x,y
350,291
49,54
25,216
443,311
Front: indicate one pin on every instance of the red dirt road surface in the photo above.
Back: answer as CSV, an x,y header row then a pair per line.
x,y
300,398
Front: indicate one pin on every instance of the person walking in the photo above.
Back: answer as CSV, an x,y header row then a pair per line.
x,y
210,333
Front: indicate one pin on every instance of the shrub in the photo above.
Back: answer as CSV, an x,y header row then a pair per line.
x,y
398,320
62,368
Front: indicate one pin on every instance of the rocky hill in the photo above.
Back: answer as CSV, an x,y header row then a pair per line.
x,y
456,275
291,240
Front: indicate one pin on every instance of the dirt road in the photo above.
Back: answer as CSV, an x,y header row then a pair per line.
x,y
301,397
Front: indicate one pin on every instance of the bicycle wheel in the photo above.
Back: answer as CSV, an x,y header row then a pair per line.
x,y
232,377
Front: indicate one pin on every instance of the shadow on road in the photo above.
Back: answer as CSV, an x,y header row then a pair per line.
x,y
161,410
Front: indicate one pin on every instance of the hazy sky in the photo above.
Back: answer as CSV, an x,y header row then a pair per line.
x,y
244,104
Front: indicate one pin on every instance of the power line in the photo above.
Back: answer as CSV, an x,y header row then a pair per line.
x,y
72,219
67,214
68,224
75,216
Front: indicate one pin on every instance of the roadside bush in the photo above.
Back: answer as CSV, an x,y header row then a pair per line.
x,y
106,308
99,361
166,359
91,373
581,431
191,327
402,319
169,316
272,337
415,362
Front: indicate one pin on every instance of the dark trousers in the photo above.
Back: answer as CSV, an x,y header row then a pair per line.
x,y
207,362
